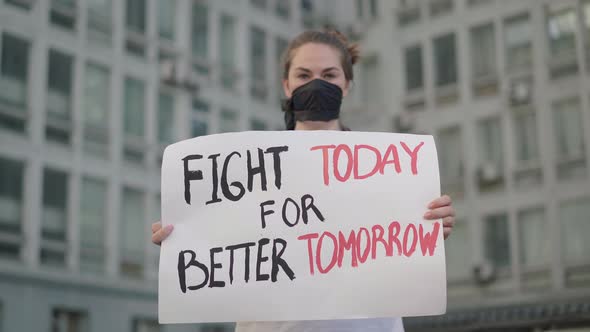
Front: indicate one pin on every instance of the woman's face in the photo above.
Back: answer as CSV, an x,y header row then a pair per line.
x,y
312,61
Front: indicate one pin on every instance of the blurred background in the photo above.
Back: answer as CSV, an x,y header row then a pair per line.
x,y
91,92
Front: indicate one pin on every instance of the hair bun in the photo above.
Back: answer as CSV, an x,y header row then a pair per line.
x,y
353,48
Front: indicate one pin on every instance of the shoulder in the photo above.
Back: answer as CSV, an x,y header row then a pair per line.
x,y
347,325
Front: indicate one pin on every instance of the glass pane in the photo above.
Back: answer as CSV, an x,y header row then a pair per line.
x,y
131,233
575,218
567,121
534,249
96,96
450,154
490,139
525,132
414,74
198,128
483,50
11,195
445,60
497,240
229,121
54,205
517,36
458,252
166,18
200,30
257,124
283,8
92,229
59,84
258,53
14,70
561,30
227,41
166,118
134,106
136,15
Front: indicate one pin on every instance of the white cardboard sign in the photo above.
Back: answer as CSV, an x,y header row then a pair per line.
x,y
300,225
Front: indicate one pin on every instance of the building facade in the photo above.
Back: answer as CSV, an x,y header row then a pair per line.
x,y
91,91
504,87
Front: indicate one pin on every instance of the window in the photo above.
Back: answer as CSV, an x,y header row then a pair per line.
x,y
133,121
227,51
280,48
472,3
408,14
261,4
200,36
497,240
145,325
371,81
63,13
490,154
573,216
258,63
99,20
450,147
93,207
528,168
26,5
95,110
283,9
532,230
200,115
229,121
257,124
165,118
440,7
65,320
483,51
54,218
374,8
14,82
217,327
132,233
414,68
517,36
569,138
445,60
561,31
59,97
586,29
166,18
457,252
360,8
135,22
11,208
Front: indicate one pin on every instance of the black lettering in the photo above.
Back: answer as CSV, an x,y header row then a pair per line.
x,y
224,185
305,205
247,260
190,176
276,150
252,171
260,259
183,266
278,261
214,197
285,212
213,282
264,213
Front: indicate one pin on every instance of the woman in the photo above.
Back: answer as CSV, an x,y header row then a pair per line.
x,y
317,75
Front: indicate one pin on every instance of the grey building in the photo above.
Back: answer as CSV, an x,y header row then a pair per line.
x,y
91,91
504,87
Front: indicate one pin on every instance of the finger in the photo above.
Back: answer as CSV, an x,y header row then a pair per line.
x,y
442,212
440,202
449,222
162,234
156,226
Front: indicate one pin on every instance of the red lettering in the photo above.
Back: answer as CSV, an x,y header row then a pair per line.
x,y
356,161
318,256
413,155
325,157
393,232
428,240
391,150
378,237
336,162
343,244
410,251
363,257
309,237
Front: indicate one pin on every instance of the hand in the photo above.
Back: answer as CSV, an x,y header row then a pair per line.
x,y
441,208
159,234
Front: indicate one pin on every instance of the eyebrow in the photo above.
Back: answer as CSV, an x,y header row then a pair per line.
x,y
309,71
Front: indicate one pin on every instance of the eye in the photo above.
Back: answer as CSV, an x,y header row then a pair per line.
x,y
329,76
303,76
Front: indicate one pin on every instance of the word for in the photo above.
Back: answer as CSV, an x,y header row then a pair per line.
x,y
307,203
359,248
208,270
216,182
352,160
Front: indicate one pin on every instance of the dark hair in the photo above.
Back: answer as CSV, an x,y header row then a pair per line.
x,y
349,55
349,52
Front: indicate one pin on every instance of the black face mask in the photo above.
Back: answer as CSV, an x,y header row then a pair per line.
x,y
317,100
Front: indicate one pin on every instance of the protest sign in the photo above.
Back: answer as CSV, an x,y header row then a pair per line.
x,y
299,226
